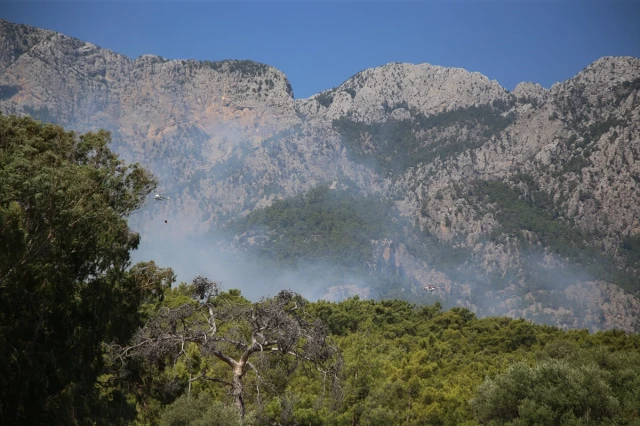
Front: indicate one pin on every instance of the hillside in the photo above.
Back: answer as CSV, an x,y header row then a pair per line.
x,y
522,203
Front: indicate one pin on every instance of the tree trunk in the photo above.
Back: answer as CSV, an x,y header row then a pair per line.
x,y
237,392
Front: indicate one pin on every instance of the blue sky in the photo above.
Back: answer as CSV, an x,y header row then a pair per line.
x,y
319,44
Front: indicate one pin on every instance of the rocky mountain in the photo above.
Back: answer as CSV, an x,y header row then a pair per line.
x,y
522,203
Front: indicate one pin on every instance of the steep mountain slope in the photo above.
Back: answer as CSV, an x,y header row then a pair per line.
x,y
525,203
558,186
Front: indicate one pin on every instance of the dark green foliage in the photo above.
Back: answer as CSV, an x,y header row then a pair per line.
x,y
576,381
64,255
321,225
575,164
551,393
289,88
198,410
351,92
572,105
6,92
623,90
412,365
581,148
390,108
391,147
41,114
596,130
326,98
437,253
528,100
631,249
406,364
396,144
535,212
491,117
245,67
502,105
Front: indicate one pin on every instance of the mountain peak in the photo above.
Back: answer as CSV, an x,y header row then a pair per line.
x,y
529,90
372,94
607,71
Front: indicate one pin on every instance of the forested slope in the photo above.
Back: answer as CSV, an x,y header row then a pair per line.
x,y
88,338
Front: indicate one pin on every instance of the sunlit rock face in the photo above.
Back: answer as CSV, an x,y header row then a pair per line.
x,y
562,166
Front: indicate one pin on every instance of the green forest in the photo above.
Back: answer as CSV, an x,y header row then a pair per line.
x,y
89,338
336,226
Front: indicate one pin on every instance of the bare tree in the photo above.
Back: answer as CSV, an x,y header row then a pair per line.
x,y
277,326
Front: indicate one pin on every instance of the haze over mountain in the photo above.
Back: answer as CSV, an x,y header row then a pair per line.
x,y
520,203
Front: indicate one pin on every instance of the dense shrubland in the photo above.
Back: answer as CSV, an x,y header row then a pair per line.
x,y
402,363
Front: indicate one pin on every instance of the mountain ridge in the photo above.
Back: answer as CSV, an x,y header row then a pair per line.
x,y
4,24
515,185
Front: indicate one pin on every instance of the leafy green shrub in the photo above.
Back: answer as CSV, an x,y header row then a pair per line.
x,y
553,392
199,410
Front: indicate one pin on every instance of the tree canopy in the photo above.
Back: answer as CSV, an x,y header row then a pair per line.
x,y
65,280
232,331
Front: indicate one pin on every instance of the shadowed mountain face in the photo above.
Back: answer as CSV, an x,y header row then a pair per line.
x,y
523,203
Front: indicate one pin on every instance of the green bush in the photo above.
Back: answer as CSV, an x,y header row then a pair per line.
x,y
199,410
553,392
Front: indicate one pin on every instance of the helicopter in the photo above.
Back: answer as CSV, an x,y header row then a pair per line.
x,y
432,288
160,197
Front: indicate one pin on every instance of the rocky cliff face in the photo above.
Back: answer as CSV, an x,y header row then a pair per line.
x,y
522,203
390,91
